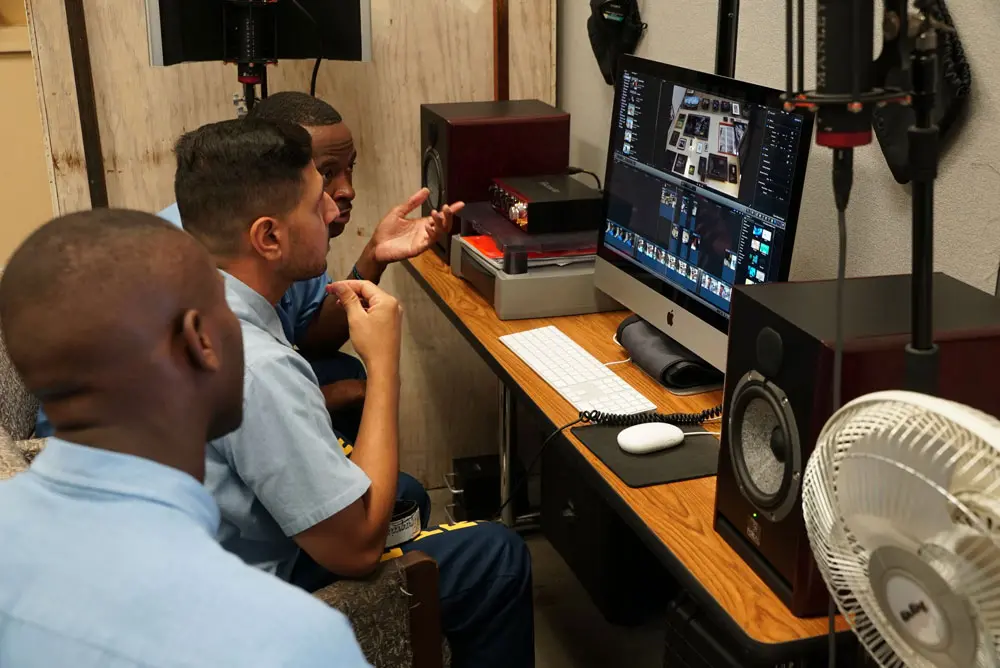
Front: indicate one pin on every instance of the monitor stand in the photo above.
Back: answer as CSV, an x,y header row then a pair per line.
x,y
666,361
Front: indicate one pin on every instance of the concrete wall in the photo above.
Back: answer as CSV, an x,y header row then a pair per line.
x,y
968,190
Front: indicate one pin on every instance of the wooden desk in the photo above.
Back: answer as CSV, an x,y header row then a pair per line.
x,y
674,520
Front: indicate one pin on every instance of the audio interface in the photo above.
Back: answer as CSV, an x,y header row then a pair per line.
x,y
547,204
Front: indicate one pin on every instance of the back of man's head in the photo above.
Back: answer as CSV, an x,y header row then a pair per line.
x,y
117,321
233,172
295,107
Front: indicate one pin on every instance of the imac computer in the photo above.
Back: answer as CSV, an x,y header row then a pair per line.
x,y
702,191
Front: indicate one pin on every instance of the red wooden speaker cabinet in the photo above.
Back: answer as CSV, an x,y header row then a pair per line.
x,y
777,398
465,145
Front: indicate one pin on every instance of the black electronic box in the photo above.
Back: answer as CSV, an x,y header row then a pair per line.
x,y
547,204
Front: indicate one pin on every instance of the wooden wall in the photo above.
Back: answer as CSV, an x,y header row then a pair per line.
x,y
426,51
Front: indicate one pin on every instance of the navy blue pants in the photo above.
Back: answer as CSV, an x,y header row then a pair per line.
x,y
485,589
484,569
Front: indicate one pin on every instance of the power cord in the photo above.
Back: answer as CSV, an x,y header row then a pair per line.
x,y
319,35
612,419
614,337
579,170
531,466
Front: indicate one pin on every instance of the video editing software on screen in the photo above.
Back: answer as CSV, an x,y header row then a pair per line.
x,y
700,187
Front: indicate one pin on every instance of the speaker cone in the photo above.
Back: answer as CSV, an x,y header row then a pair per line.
x,y
432,175
764,446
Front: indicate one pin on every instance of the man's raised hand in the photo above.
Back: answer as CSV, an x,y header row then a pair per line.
x,y
400,238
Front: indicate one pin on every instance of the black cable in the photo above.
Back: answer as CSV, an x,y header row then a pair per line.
x,y
789,49
249,95
615,420
319,36
315,74
579,170
843,177
600,186
802,45
527,473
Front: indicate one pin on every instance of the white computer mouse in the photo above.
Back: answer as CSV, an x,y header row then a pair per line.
x,y
644,439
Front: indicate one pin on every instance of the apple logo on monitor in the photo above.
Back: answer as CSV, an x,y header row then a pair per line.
x,y
670,318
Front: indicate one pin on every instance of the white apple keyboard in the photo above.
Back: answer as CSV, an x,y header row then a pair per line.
x,y
574,373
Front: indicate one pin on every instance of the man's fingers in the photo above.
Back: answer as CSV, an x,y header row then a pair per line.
x,y
416,199
348,294
450,210
449,215
365,290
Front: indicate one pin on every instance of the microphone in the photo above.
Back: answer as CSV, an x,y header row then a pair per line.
x,y
845,68
846,87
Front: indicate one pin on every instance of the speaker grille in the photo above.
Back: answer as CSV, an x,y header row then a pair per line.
x,y
760,425
432,175
764,446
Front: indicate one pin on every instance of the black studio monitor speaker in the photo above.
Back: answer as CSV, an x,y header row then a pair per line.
x,y
777,398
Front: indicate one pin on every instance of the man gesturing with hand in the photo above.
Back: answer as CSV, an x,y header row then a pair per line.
x,y
292,502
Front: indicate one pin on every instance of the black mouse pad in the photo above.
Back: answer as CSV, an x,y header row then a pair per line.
x,y
696,457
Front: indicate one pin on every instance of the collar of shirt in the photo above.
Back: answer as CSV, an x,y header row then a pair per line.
x,y
251,307
128,475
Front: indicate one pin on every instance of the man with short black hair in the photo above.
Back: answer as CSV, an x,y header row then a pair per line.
x,y
109,553
316,324
292,502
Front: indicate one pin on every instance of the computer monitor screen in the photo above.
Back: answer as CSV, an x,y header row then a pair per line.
x,y
703,184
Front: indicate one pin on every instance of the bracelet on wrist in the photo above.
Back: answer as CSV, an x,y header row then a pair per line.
x,y
356,275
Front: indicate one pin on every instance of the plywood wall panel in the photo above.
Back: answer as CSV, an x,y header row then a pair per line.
x,y
533,49
428,51
443,54
141,109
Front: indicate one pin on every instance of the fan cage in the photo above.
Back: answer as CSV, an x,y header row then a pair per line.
x,y
964,441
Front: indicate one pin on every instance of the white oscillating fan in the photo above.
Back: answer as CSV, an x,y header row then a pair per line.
x,y
902,506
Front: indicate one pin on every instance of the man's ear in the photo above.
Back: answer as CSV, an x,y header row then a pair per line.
x,y
199,344
267,236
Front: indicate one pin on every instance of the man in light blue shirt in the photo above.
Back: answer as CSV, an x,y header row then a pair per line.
x,y
292,502
315,325
109,554
278,382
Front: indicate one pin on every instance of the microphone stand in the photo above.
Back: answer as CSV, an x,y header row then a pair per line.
x,y
922,359
249,38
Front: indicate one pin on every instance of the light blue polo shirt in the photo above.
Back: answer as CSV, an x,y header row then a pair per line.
x,y
111,560
283,471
